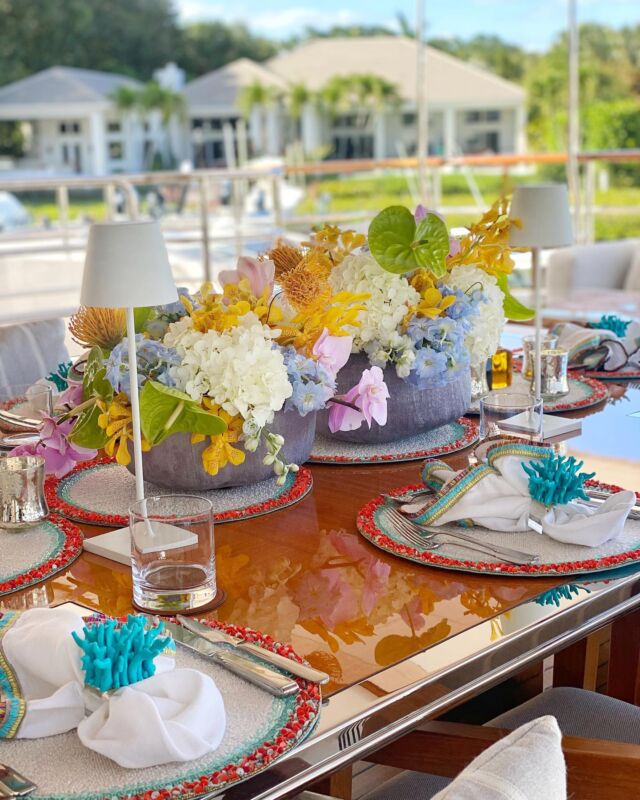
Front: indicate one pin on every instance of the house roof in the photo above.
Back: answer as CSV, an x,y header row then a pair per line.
x,y
63,85
449,80
222,86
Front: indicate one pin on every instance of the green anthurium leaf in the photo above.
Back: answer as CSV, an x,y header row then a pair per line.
x,y
391,239
513,308
164,411
95,383
431,247
86,432
140,318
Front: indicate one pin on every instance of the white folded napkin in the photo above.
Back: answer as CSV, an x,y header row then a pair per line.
x,y
176,715
622,351
496,496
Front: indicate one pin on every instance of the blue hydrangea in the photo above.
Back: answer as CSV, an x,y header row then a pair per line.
x,y
153,358
311,383
464,306
429,369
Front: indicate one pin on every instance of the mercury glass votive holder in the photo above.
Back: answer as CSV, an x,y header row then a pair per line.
x,y
547,342
554,381
22,500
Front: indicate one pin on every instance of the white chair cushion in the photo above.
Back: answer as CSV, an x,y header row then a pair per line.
x,y
30,351
526,765
632,281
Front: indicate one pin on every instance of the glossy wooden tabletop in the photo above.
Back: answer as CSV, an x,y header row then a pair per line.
x,y
305,575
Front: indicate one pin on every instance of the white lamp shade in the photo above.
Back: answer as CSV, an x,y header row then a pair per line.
x,y
127,266
543,211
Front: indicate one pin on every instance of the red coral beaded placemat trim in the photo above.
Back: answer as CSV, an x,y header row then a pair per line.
x,y
59,490
432,444
369,528
65,547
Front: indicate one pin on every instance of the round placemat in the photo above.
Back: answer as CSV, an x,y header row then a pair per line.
x,y
556,558
583,393
260,730
441,441
100,492
14,407
624,374
34,554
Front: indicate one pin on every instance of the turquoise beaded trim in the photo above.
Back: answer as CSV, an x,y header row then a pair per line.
x,y
12,705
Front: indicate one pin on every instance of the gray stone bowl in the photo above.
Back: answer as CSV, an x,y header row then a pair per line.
x,y
410,411
177,464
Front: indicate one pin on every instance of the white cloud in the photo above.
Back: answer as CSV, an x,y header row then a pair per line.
x,y
195,10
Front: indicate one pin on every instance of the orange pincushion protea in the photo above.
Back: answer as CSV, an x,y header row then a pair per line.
x,y
285,256
307,284
98,327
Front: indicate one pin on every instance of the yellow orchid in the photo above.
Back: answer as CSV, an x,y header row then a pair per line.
x,y
221,450
486,245
336,242
115,421
338,315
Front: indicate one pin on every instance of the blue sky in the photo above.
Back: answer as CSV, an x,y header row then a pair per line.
x,y
530,23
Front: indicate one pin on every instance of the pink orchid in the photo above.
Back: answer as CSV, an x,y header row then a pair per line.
x,y
369,396
332,351
60,455
421,212
260,274
72,395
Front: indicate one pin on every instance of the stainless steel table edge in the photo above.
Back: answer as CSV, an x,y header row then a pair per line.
x,y
463,664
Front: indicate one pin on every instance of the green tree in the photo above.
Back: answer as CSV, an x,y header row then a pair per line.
x,y
205,46
488,51
129,36
257,95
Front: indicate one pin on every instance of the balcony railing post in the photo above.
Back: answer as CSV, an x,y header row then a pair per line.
x,y
203,187
62,198
588,228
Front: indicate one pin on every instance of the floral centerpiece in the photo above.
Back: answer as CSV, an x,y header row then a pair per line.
x,y
376,335
433,309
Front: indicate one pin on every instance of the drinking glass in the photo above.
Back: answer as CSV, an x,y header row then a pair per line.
x,y
22,406
172,553
22,498
553,373
547,342
511,413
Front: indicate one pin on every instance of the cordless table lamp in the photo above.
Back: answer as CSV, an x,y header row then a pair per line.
x,y
126,266
545,221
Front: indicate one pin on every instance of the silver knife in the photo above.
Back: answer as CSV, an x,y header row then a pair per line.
x,y
242,666
219,637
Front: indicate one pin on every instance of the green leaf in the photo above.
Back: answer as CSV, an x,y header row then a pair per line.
x,y
432,244
164,411
400,246
95,383
86,432
391,236
513,308
140,317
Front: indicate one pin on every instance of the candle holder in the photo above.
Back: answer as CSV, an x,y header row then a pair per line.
x,y
553,373
549,342
22,500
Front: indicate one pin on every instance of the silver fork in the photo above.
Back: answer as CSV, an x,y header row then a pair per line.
x,y
408,496
424,538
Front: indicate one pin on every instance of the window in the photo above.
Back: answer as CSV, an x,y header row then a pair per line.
x,y
69,127
409,118
114,127
493,116
116,151
473,116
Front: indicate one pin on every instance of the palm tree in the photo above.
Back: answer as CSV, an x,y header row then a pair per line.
x,y
298,96
152,97
257,96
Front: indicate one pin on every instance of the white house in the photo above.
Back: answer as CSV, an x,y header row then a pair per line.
x,y
73,124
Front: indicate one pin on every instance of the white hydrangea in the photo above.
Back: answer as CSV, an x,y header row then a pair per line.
x,y
390,297
484,337
239,369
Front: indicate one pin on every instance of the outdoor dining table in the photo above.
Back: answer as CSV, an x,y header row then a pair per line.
x,y
402,641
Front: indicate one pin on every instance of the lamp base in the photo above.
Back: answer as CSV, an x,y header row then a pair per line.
x,y
151,537
114,545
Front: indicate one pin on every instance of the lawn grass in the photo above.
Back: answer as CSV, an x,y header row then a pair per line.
x,y
44,209
375,191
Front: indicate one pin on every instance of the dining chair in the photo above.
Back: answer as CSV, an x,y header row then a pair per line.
x,y
600,742
30,351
